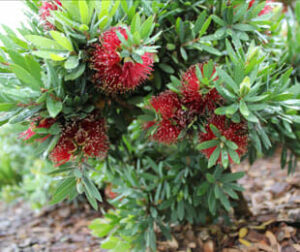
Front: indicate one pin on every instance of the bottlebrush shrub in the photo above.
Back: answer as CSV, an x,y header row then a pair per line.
x,y
155,100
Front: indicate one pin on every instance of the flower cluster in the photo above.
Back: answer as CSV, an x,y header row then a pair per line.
x,y
177,111
87,136
195,102
116,74
45,9
235,132
45,123
168,105
196,97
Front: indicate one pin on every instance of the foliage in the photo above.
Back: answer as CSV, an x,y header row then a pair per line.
x,y
157,100
23,174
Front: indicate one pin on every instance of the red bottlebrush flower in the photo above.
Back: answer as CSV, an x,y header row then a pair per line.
x,y
268,8
109,39
193,98
251,4
166,132
63,151
28,133
87,135
44,123
45,9
235,132
166,103
117,75
96,143
212,99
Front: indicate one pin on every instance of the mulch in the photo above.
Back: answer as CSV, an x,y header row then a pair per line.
x,y
273,197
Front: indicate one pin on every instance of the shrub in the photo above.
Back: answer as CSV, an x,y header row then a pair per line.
x,y
157,100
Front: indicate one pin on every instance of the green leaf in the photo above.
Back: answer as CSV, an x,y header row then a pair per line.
x,y
71,63
244,109
34,67
51,145
229,110
24,114
110,243
283,157
17,58
218,20
199,22
211,202
207,144
54,106
150,239
224,200
225,159
91,199
234,156
6,106
180,210
231,145
84,11
244,27
202,189
44,43
214,157
230,177
114,8
135,24
183,54
26,77
76,73
166,68
92,189
147,27
215,130
217,191
100,228
211,50
62,40
63,190
228,80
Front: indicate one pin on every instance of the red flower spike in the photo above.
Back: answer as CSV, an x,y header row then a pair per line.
x,y
166,132
44,123
212,99
268,8
117,75
193,99
28,133
97,143
234,132
45,9
88,135
166,103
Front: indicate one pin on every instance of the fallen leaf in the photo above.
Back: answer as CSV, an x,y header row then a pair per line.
x,y
243,232
245,242
208,246
263,225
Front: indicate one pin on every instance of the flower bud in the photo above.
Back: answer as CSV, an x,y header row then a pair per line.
x,y
252,53
245,86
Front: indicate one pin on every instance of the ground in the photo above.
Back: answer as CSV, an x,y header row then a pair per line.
x,y
273,197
